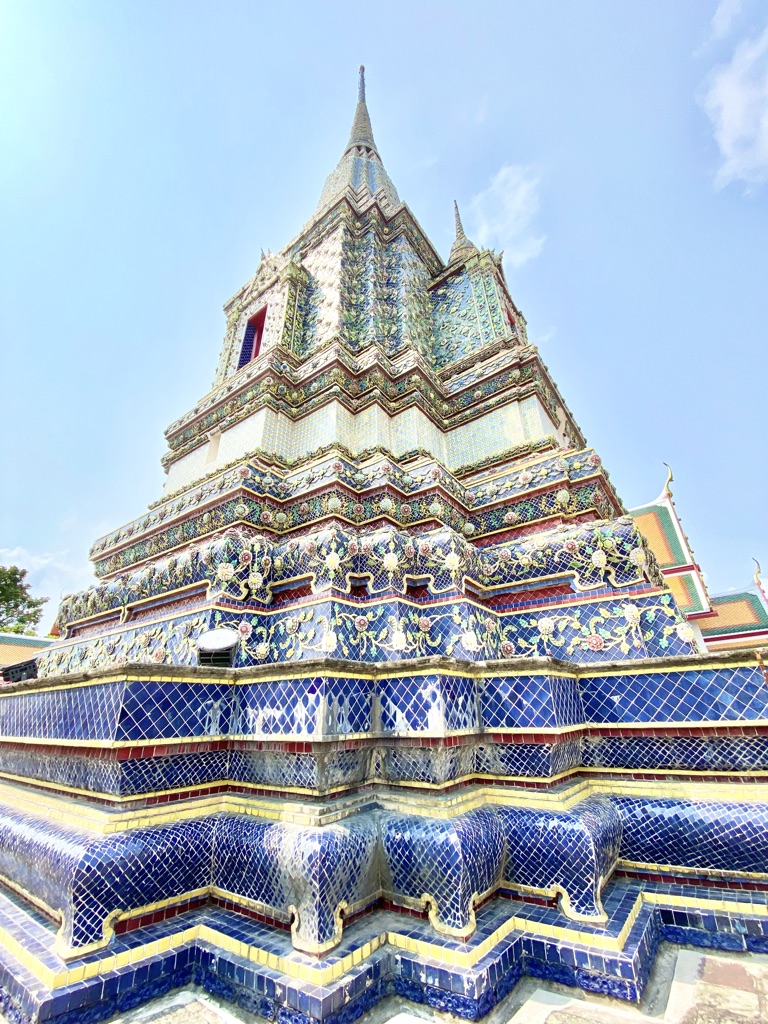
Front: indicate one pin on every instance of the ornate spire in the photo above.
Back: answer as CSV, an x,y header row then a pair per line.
x,y
457,220
360,168
462,249
362,132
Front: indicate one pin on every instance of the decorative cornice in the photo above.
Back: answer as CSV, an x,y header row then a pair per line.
x,y
282,502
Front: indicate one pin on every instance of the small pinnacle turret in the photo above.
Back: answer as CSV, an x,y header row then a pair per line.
x,y
462,248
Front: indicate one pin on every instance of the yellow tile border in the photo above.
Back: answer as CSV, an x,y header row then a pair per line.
x,y
109,802
676,869
411,800
312,973
303,669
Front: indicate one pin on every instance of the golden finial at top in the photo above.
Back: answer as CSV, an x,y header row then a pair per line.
x,y
670,477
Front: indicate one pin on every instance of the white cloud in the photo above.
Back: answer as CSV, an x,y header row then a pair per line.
x,y
51,575
736,102
542,339
503,214
726,14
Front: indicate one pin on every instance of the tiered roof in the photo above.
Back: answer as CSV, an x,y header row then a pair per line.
x,y
736,619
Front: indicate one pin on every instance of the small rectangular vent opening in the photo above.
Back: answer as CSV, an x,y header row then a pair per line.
x,y
215,659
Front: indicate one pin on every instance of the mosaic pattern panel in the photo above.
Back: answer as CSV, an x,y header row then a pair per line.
x,y
244,565
172,641
571,853
711,695
635,628
337,466
445,864
694,753
353,490
714,836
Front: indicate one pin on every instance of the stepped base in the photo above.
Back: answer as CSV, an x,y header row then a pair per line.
x,y
254,966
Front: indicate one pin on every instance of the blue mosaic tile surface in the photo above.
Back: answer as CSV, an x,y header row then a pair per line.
x,y
467,992
694,753
453,861
708,695
89,712
329,769
336,705
310,874
119,777
718,836
575,852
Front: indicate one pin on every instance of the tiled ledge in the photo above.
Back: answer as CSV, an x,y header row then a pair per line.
x,y
407,666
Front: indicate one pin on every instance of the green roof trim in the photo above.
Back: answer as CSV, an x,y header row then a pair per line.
x,y
695,603
668,528
753,600
22,640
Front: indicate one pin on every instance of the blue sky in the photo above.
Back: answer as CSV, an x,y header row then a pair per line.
x,y
616,151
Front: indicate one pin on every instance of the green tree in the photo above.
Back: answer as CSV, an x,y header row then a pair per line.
x,y
19,611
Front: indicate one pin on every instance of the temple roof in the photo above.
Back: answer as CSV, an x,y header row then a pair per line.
x,y
16,647
360,167
660,524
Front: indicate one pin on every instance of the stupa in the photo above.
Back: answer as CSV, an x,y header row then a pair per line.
x,y
387,693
